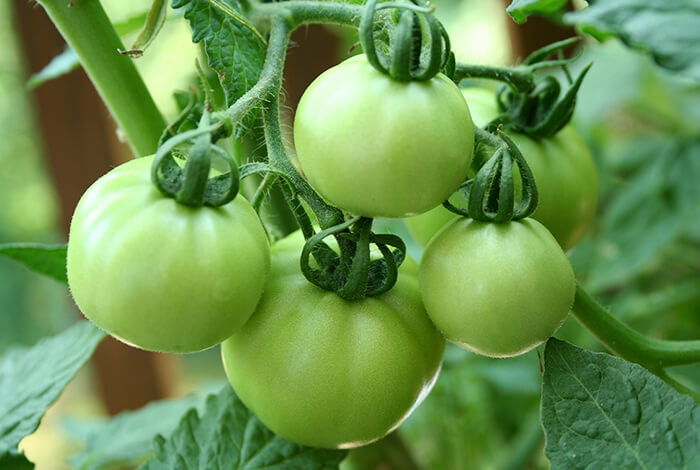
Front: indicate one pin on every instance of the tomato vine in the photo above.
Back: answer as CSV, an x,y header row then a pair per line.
x,y
336,253
142,124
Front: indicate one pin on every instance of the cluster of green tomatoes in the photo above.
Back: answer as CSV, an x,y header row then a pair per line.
x,y
317,369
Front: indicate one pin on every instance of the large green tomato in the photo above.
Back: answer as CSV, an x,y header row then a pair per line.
x,y
564,173
496,289
325,372
381,148
160,275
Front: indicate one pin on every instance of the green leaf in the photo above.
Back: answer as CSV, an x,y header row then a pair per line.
x,y
49,260
31,379
126,440
669,30
235,49
656,207
600,411
15,462
229,436
519,10
62,64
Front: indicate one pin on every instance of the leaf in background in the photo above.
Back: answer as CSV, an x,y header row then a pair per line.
x,y
600,411
15,462
127,439
657,206
49,260
669,30
63,64
519,10
155,19
31,379
229,436
235,49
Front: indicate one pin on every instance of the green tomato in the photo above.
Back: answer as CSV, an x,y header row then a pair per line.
x,y
325,372
564,172
377,147
496,289
160,275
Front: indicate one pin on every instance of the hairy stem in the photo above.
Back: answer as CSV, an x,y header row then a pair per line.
x,y
302,12
518,79
88,30
267,182
269,86
654,354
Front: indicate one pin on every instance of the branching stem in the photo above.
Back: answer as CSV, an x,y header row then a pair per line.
x,y
521,80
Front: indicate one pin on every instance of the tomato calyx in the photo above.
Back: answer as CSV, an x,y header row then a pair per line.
x,y
403,61
545,109
192,185
490,194
351,273
538,106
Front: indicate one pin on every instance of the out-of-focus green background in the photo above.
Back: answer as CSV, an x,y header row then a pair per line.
x,y
642,256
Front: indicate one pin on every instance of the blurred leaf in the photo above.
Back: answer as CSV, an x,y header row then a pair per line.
x,y
68,60
235,49
478,408
229,436
126,439
657,206
31,379
669,30
155,19
600,411
15,462
516,375
62,64
519,10
49,260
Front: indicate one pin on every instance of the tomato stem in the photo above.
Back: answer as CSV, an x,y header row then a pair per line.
x,y
87,29
521,80
303,12
654,354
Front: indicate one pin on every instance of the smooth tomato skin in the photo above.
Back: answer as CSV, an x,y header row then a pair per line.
x,y
325,372
381,148
496,289
159,275
564,172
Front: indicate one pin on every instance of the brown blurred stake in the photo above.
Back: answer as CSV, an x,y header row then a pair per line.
x,y
80,143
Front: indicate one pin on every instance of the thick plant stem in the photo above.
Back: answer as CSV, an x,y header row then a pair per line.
x,y
654,354
86,28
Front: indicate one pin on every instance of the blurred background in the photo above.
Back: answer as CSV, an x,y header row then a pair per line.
x,y
641,257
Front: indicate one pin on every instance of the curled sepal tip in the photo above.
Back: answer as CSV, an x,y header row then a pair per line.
x,y
411,58
491,195
350,272
192,185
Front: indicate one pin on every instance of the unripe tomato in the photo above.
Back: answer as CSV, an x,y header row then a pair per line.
x,y
160,275
325,372
381,148
496,289
564,172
